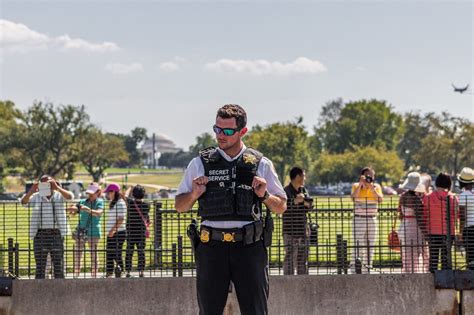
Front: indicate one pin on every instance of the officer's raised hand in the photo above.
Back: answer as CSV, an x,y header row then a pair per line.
x,y
199,186
259,186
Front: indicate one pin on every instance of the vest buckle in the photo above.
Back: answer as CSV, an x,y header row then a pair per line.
x,y
228,237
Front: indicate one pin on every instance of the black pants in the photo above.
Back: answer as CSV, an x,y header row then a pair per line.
x,y
468,240
49,241
218,263
138,242
438,245
114,251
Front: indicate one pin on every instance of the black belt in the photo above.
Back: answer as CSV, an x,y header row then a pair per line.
x,y
49,231
248,234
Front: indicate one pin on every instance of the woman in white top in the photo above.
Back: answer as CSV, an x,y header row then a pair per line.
x,y
116,231
411,230
466,206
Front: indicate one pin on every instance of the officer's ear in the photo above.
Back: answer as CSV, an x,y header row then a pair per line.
x,y
243,131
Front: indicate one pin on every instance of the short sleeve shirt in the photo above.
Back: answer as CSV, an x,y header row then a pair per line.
x,y
91,223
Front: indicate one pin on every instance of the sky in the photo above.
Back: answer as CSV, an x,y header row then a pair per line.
x,y
168,66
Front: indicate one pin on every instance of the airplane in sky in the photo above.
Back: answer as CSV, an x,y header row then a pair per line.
x,y
460,90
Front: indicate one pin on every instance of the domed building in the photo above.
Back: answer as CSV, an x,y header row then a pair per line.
x,y
162,143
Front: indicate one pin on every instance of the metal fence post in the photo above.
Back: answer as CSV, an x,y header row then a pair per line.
x,y
180,255
339,254
449,240
10,256
17,260
158,241
173,258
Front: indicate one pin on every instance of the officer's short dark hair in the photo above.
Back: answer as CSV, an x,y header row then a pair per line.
x,y
233,111
443,181
138,192
295,171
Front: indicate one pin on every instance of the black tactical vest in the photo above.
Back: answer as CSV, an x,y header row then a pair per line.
x,y
229,195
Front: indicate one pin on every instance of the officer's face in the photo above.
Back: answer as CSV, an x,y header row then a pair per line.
x,y
227,142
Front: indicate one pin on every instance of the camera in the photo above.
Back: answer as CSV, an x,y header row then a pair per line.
x,y
369,179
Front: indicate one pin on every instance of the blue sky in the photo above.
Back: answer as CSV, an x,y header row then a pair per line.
x,y
168,67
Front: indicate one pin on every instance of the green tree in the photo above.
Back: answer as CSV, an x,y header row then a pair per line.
x,y
100,151
203,141
131,142
49,137
345,167
178,159
9,117
362,123
448,146
286,144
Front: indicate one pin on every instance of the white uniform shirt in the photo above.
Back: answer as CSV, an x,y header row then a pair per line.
x,y
466,200
265,170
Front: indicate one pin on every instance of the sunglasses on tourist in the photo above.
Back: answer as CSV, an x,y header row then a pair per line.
x,y
226,131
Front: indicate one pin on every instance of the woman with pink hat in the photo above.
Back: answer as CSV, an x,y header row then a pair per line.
x,y
411,229
466,207
88,230
115,229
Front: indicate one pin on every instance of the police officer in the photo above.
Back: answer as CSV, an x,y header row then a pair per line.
x,y
231,183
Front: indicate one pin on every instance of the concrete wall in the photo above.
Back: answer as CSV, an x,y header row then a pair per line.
x,y
354,294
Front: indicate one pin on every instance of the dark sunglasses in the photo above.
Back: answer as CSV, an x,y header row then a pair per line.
x,y
226,131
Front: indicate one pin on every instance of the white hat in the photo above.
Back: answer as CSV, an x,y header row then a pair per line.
x,y
413,182
466,176
93,188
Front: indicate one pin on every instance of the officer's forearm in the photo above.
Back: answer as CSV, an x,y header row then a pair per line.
x,y
185,202
276,203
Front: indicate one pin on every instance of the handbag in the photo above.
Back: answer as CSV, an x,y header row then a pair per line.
x,y
145,222
393,240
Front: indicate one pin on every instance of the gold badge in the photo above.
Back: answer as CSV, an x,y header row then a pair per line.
x,y
250,159
228,237
205,236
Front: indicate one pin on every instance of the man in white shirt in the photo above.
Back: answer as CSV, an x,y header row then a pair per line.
x,y
48,225
231,183
466,207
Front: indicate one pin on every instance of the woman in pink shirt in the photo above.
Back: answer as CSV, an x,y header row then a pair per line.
x,y
435,209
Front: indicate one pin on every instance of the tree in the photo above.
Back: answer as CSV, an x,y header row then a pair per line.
x,y
448,146
345,167
286,144
203,141
100,151
362,123
178,159
49,137
131,143
417,127
9,117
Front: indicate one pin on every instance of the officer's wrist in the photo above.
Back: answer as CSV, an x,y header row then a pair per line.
x,y
265,196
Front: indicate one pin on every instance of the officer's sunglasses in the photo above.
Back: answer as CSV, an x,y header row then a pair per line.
x,y
226,131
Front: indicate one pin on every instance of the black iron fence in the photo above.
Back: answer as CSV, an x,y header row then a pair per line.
x,y
333,235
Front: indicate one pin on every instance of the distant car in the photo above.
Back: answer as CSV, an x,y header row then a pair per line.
x,y
8,197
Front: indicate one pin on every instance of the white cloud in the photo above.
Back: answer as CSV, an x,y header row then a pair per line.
x,y
17,37
68,43
263,67
120,68
169,66
361,68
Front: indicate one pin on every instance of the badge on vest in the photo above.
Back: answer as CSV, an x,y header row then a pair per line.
x,y
250,159
205,236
